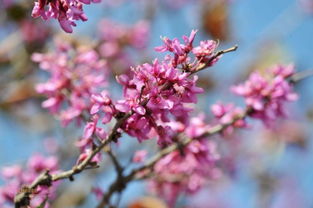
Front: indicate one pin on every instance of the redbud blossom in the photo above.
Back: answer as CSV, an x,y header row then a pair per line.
x,y
185,174
228,114
65,11
166,90
266,95
15,176
204,54
139,156
73,80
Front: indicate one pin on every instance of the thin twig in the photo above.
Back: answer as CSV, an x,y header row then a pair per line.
x,y
301,75
215,56
118,167
133,175
151,162
22,198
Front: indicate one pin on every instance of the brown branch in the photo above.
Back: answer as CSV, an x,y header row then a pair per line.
x,y
118,167
212,131
22,198
299,76
46,179
116,186
215,56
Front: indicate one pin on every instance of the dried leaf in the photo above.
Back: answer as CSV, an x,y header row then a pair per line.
x,y
148,202
215,19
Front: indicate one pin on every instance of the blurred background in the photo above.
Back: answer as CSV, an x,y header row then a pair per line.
x,y
261,168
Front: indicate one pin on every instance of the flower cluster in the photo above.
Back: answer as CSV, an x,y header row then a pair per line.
x,y
76,74
34,32
139,156
186,171
157,93
15,177
102,106
226,114
177,174
116,39
65,11
204,53
87,142
115,36
156,103
266,95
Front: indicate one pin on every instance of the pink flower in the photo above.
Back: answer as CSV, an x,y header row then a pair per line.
x,y
11,171
16,176
197,127
98,192
109,49
228,114
32,31
91,128
74,77
266,96
66,12
116,36
185,172
157,93
102,103
139,156
166,90
117,41
39,163
283,71
139,34
180,51
206,48
96,159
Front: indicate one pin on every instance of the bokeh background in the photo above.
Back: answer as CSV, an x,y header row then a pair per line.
x,y
266,168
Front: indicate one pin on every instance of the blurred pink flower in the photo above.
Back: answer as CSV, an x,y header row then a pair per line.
x,y
66,12
15,176
139,156
185,172
266,96
75,75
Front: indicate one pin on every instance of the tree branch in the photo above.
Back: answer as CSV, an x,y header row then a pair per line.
x,y
46,179
152,161
216,55
22,198
183,143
